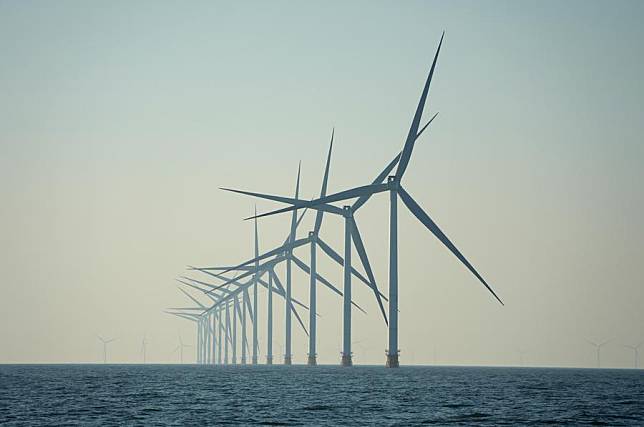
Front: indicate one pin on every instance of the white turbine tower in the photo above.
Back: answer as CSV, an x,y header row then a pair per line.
x,y
105,343
144,348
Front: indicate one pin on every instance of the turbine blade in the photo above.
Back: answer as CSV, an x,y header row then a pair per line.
x,y
323,202
280,293
188,316
436,231
248,304
193,299
237,309
234,281
426,124
274,198
211,297
223,268
296,225
279,289
272,252
325,180
301,204
362,252
384,174
299,319
305,268
337,258
291,236
413,130
302,265
256,237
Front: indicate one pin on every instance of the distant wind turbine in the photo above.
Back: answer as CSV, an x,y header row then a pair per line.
x,y
105,343
522,354
180,348
144,347
598,347
636,353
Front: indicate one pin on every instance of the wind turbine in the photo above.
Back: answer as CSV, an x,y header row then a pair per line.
x,y
396,190
144,347
636,353
598,347
180,348
105,343
203,333
201,323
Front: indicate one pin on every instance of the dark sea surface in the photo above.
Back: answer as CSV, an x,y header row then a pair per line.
x,y
325,395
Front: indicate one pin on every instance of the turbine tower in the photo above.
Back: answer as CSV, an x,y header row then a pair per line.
x,y
255,306
288,356
105,343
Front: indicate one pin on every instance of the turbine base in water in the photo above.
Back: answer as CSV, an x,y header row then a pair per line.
x,y
346,360
269,360
254,360
287,360
312,361
392,361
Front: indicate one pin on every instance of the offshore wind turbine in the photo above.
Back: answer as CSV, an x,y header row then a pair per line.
x,y
202,324
598,347
203,330
396,190
636,353
144,347
200,321
105,343
180,347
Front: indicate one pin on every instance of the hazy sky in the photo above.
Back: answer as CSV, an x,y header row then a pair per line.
x,y
120,120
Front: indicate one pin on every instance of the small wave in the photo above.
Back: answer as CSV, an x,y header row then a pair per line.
x,y
317,408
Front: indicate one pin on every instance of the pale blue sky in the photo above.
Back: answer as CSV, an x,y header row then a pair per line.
x,y
119,120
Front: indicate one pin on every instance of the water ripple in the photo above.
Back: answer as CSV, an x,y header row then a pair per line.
x,y
205,395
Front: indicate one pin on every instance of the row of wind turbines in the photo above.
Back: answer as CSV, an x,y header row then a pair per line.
x,y
521,352
232,291
634,348
144,347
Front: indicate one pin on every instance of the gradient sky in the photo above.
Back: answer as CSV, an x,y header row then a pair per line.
x,y
120,120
